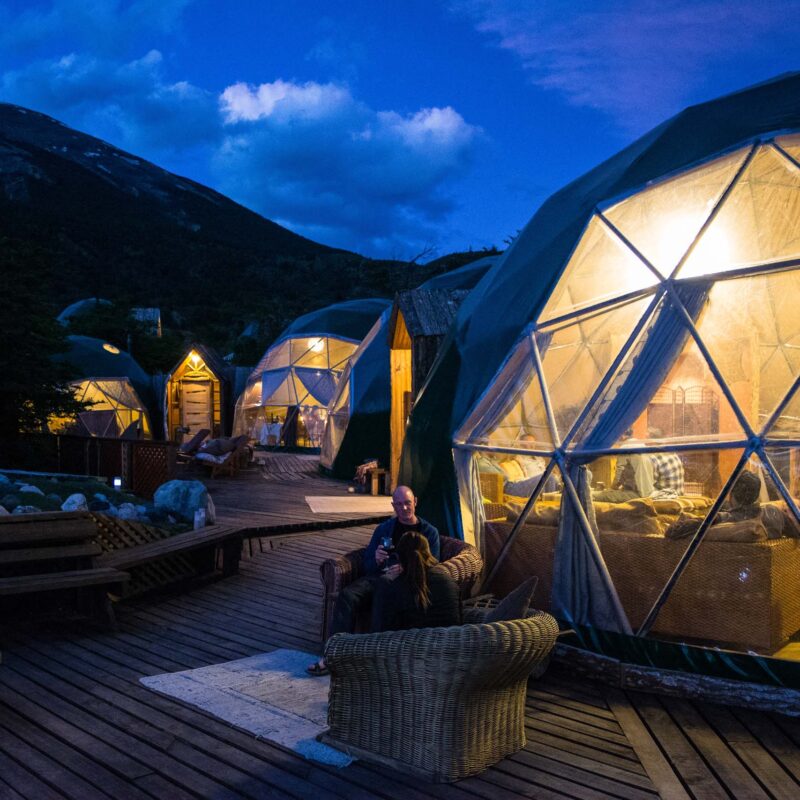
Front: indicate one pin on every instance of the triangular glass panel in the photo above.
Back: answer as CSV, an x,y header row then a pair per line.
x,y
310,351
663,220
601,268
791,144
532,551
511,414
340,350
727,596
663,394
752,331
577,354
277,356
759,221
787,425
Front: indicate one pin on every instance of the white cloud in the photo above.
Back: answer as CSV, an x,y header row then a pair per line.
x,y
317,158
637,60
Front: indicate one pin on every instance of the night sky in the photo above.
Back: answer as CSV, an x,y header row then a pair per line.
x,y
387,127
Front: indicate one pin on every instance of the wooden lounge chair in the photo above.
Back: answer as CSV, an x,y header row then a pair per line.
x,y
229,462
188,449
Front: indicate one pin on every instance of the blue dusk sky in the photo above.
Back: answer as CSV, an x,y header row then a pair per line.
x,y
387,127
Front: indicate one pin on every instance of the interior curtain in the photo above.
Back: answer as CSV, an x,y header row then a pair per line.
x,y
646,370
583,592
470,498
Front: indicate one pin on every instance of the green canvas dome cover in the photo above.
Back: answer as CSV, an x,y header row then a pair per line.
x,y
358,419
95,358
687,332
351,320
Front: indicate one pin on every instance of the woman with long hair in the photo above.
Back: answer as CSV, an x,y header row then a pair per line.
x,y
423,595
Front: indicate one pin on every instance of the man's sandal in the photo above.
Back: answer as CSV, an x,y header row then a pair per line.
x,y
317,670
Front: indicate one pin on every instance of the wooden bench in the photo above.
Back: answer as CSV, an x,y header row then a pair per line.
x,y
56,551
211,539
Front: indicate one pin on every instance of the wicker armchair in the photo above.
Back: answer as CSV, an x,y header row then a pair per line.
x,y
440,703
462,560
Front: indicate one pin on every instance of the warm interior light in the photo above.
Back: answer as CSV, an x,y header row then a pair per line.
x,y
711,253
111,349
194,358
318,346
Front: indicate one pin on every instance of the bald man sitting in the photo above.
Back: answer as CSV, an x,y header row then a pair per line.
x,y
357,596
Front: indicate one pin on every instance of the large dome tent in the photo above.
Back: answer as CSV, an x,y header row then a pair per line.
x,y
296,378
358,416
640,333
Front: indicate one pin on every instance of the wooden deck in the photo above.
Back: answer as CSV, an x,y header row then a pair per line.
x,y
75,722
271,494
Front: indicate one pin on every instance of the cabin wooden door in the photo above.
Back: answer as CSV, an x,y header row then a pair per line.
x,y
196,411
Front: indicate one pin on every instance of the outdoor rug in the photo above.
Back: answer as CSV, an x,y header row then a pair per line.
x,y
351,504
269,695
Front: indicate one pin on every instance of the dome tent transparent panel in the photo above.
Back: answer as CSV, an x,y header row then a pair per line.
x,y
601,268
504,498
757,353
757,223
575,356
738,590
677,400
643,505
662,221
710,377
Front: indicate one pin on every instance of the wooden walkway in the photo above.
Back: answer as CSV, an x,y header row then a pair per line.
x,y
271,495
75,722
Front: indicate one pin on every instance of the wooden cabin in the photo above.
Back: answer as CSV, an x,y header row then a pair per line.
x,y
419,321
196,393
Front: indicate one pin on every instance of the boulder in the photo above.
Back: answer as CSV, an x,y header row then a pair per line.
x,y
3,511
75,502
5,483
10,502
30,489
181,498
127,511
101,497
99,505
53,497
27,510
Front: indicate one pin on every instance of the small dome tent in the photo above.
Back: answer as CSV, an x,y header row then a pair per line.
x,y
358,423
114,384
291,386
624,419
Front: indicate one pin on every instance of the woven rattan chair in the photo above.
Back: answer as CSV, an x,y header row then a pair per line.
x,y
462,561
440,703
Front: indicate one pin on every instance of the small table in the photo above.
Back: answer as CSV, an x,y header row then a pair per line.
x,y
377,480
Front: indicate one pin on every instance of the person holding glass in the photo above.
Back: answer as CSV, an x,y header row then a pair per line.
x,y
379,565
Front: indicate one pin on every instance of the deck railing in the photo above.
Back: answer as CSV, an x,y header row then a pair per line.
x,y
142,465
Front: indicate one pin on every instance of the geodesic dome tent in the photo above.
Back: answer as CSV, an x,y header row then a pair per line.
x,y
113,383
296,379
357,427
625,419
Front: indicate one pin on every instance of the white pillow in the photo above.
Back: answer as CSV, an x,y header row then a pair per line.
x,y
512,470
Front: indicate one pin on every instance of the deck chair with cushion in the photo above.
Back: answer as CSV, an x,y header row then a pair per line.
x,y
462,560
188,449
226,455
